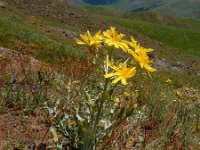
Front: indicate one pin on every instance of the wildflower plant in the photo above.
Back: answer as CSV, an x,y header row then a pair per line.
x,y
95,106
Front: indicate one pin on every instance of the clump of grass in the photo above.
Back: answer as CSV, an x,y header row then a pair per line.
x,y
164,117
177,115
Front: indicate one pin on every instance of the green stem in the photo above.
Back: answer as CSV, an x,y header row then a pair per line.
x,y
105,90
88,145
101,105
108,58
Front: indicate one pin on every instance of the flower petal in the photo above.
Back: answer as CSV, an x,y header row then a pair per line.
x,y
113,66
111,75
117,79
149,68
80,42
124,81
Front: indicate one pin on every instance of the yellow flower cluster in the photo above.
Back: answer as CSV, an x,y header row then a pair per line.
x,y
92,41
111,38
122,73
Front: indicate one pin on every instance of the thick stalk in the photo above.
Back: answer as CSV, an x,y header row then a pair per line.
x,y
101,105
105,90
88,145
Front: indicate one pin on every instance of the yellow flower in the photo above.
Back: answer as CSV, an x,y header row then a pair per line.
x,y
178,93
54,134
141,56
126,93
133,42
113,38
138,49
130,45
92,41
187,89
122,73
168,81
139,53
75,82
117,100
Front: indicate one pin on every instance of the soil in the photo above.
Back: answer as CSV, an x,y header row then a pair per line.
x,y
19,128
20,131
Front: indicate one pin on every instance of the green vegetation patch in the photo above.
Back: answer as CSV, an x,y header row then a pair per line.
x,y
183,40
16,34
153,17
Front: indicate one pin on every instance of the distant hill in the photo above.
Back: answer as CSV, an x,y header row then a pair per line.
x,y
183,8
99,2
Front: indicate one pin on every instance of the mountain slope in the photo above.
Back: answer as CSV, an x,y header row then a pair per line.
x,y
184,8
101,2
58,11
184,40
180,34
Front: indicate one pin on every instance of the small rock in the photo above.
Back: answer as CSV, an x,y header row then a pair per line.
x,y
163,59
161,44
159,63
2,5
36,112
151,55
180,64
176,69
198,74
48,31
71,14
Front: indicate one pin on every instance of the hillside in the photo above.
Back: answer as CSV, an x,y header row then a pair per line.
x,y
183,8
41,64
96,2
56,11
